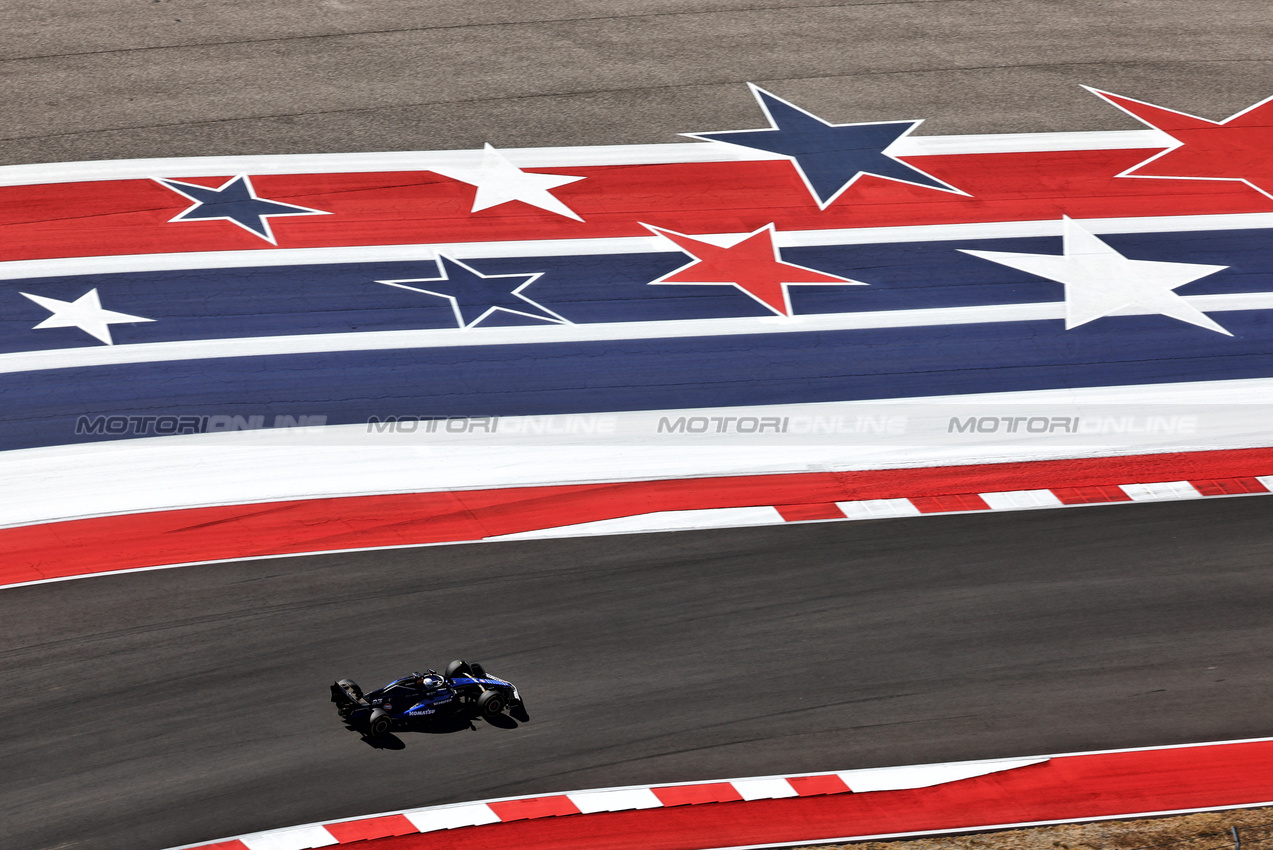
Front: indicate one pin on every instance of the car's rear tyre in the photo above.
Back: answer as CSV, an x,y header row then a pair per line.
x,y
379,724
490,704
456,668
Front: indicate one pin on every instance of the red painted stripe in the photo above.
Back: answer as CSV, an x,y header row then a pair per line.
x,y
1229,487
536,807
1066,788
690,795
954,502
83,547
799,513
368,828
1091,495
813,786
133,216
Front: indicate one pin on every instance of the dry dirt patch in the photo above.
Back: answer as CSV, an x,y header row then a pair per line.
x,y
1204,831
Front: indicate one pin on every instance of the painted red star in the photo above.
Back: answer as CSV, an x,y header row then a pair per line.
x,y
751,264
1238,148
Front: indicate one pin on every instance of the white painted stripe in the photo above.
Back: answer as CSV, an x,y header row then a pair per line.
x,y
764,788
878,508
113,355
1017,229
561,157
270,465
928,775
1266,480
657,521
619,800
451,817
296,838
425,252
1031,142
1160,491
1016,500
406,161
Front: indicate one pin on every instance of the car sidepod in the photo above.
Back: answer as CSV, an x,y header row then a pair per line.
x,y
443,702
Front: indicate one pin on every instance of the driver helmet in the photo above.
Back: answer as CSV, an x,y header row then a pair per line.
x,y
431,681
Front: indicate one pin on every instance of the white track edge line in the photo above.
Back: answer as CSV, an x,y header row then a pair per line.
x,y
550,157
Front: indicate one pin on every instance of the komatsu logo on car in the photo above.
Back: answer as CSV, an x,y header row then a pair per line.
x,y
419,713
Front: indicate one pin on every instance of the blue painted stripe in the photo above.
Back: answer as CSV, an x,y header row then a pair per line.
x,y
41,407
239,303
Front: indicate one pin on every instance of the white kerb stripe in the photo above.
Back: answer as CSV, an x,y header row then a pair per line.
x,y
452,817
763,788
620,800
926,775
300,838
1015,500
657,521
878,508
1162,490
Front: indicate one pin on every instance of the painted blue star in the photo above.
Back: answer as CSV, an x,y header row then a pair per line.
x,y
829,157
235,201
475,296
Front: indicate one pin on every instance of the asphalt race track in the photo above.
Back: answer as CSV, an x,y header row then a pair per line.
x,y
166,707
169,707
115,79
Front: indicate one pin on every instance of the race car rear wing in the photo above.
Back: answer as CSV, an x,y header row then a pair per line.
x,y
344,698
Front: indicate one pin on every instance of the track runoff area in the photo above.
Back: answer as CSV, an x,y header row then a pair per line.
x,y
1078,305
850,805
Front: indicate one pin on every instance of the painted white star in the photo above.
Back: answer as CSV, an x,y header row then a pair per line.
x,y
498,181
85,313
1099,281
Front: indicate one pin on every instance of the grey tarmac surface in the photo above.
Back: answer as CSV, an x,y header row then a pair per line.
x,y
117,79
168,707
156,709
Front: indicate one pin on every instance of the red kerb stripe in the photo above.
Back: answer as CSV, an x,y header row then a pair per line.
x,y
688,795
537,807
813,786
797,513
944,504
368,828
1229,486
1091,495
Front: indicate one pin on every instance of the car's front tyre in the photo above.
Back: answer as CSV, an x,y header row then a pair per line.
x,y
490,704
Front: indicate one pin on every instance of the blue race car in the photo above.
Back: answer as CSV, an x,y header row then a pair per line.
x,y
463,688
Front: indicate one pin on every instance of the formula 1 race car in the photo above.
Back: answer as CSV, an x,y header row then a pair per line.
x,y
463,689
